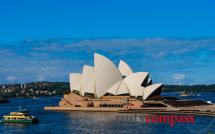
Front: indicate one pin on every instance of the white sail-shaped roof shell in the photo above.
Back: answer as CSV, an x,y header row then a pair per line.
x,y
90,87
77,87
139,90
123,89
149,90
135,79
75,81
149,82
88,74
124,68
113,90
145,92
106,74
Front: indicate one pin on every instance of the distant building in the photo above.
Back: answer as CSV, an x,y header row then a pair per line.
x,y
23,86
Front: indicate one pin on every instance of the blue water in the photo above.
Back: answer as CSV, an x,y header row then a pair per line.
x,y
96,122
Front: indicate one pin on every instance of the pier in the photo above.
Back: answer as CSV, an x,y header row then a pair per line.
x,y
194,110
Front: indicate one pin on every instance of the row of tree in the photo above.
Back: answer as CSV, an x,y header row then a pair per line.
x,y
194,88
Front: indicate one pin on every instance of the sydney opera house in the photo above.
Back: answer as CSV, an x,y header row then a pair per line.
x,y
106,85
106,79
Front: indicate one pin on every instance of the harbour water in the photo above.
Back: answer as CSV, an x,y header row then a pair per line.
x,y
95,122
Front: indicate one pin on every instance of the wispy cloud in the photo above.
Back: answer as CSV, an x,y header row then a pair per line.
x,y
53,59
178,78
11,78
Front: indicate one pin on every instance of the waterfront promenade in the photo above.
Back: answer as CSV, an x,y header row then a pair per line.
x,y
194,110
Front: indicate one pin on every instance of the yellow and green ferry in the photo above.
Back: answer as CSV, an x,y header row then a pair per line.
x,y
21,116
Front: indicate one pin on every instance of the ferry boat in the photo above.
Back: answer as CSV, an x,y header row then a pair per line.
x,y
188,94
22,116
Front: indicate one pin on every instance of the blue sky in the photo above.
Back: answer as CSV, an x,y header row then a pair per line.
x,y
47,39
27,19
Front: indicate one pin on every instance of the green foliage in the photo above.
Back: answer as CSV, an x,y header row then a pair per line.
x,y
193,88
